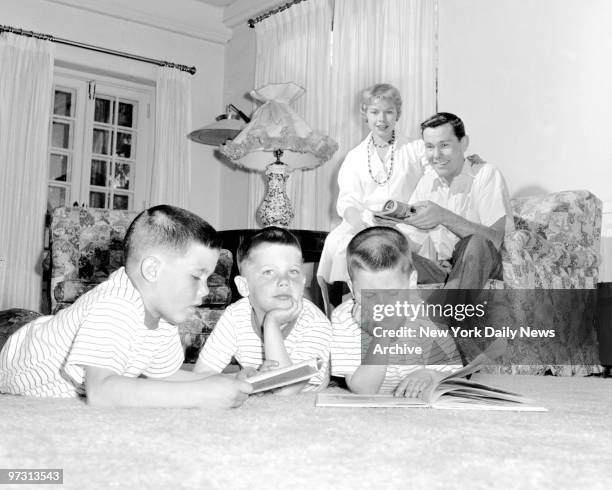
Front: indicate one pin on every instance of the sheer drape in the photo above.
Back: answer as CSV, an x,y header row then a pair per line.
x,y
26,84
293,46
373,41
171,172
391,41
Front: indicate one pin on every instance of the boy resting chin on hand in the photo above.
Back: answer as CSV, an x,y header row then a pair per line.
x,y
272,325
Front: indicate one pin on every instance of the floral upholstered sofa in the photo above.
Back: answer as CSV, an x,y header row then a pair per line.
x,y
555,247
551,264
87,245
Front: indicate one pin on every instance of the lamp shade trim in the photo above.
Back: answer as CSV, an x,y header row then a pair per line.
x,y
276,126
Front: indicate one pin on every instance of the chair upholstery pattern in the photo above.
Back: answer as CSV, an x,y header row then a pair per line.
x,y
556,242
556,246
87,246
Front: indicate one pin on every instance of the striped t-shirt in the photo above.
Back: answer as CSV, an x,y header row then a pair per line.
x,y
103,328
233,336
347,350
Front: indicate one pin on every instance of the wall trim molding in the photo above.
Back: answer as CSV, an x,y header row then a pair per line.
x,y
213,32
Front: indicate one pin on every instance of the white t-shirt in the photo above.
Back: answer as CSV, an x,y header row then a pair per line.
x,y
103,328
233,336
347,351
479,194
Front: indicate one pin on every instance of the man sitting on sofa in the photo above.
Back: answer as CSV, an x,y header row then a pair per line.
x,y
463,205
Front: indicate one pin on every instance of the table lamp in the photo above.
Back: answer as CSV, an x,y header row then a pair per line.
x,y
277,130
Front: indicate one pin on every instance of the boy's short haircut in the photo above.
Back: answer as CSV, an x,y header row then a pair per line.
x,y
269,235
169,227
378,248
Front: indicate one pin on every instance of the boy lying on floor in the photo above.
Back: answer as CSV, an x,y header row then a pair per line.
x,y
379,258
102,344
272,325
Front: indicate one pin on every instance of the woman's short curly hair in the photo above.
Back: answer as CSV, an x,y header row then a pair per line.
x,y
380,91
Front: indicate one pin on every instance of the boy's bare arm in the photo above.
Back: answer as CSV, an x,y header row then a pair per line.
x,y
105,388
274,346
367,379
201,369
183,375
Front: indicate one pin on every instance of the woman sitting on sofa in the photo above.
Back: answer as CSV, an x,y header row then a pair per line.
x,y
383,166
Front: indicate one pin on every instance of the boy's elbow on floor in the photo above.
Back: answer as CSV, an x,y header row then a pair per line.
x,y
96,397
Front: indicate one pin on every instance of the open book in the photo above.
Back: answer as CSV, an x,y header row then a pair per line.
x,y
453,391
275,378
395,211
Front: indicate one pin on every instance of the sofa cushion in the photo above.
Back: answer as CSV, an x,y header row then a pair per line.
x,y
87,246
13,319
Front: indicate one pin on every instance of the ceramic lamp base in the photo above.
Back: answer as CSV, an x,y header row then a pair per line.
x,y
276,210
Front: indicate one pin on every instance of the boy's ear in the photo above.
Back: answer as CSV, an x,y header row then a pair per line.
x,y
242,285
149,268
465,142
413,279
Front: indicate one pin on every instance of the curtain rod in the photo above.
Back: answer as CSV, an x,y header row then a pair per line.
x,y
122,54
251,22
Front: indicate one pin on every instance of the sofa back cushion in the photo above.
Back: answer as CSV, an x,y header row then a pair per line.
x,y
87,246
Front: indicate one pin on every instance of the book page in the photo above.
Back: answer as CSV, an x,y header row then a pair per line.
x,y
367,401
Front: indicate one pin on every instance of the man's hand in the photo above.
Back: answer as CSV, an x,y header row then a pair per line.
x,y
415,384
428,215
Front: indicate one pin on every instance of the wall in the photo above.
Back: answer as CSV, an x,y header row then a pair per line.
x,y
531,78
239,81
183,31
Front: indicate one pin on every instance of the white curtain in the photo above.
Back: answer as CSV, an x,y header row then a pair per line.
x,y
171,172
392,41
26,85
294,46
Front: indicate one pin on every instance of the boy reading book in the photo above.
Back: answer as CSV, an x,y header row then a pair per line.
x,y
272,322
118,344
379,258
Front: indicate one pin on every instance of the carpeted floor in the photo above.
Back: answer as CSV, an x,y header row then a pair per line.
x,y
276,442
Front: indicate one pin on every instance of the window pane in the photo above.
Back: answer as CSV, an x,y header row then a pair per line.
x,y
121,202
101,141
58,167
98,173
97,200
62,103
60,135
104,110
126,114
122,176
124,145
57,197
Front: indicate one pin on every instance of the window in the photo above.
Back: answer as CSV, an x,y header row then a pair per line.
x,y
99,142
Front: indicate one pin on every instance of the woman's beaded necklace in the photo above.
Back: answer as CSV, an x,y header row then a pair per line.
x,y
389,172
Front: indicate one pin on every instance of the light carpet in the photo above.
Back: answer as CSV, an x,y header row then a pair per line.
x,y
285,442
